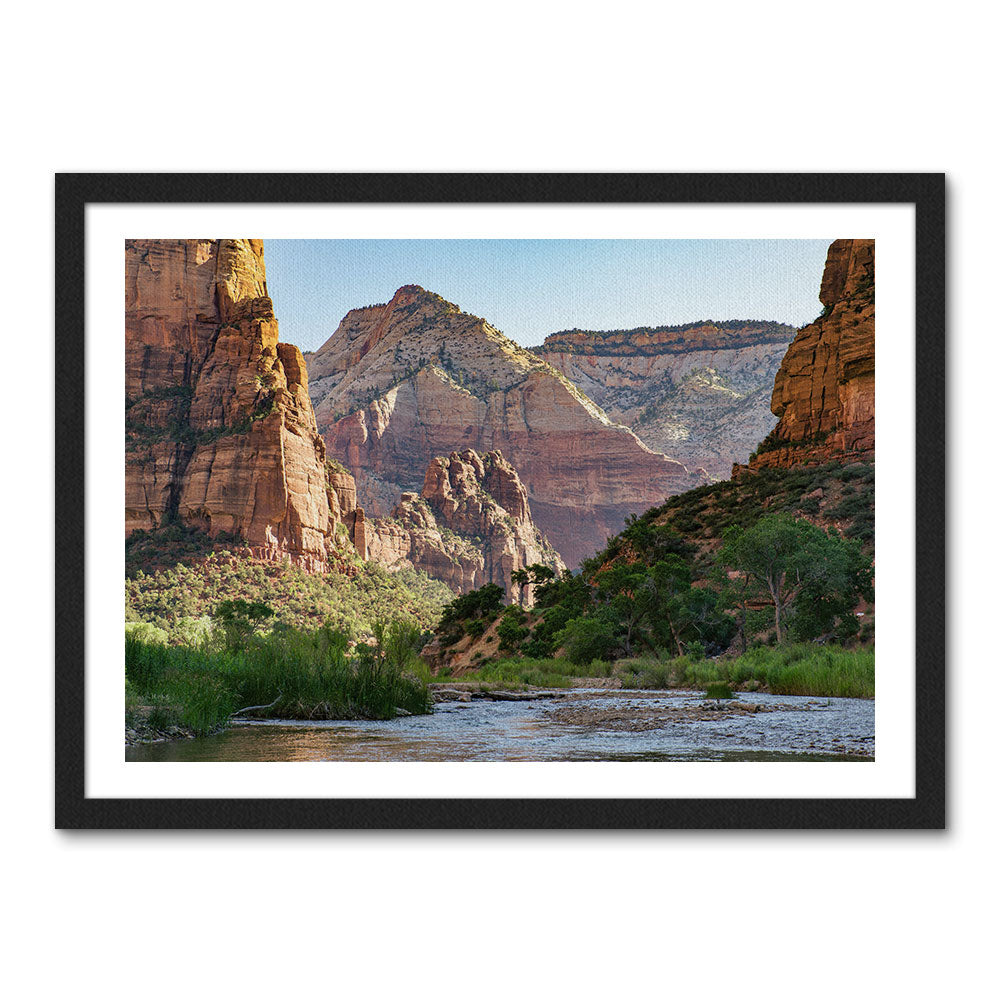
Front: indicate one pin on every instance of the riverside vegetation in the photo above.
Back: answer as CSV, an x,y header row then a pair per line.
x,y
830,671
210,633
238,669
658,608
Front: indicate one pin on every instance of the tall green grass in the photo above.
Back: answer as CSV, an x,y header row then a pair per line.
x,y
297,675
554,672
800,669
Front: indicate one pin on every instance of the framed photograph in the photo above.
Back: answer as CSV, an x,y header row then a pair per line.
x,y
500,501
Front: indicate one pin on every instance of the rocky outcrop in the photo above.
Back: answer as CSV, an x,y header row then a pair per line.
x,y
219,427
699,392
401,383
470,525
824,391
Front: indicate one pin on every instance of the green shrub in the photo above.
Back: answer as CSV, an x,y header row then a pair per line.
x,y
476,627
587,639
510,633
718,690
145,632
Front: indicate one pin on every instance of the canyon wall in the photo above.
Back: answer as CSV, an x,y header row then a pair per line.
x,y
699,392
219,427
401,383
470,525
824,391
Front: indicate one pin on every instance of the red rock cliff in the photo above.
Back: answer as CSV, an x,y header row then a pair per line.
x,y
219,428
824,392
470,525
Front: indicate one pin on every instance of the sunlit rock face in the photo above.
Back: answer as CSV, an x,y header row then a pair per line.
x,y
219,427
470,525
824,391
699,392
401,383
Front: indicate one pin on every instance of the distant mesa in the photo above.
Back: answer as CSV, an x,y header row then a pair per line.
x,y
699,392
703,335
402,383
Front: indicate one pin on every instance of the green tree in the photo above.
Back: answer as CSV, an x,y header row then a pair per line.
x,y
521,578
739,594
573,592
788,560
652,541
671,604
510,631
482,603
241,619
540,573
629,593
589,637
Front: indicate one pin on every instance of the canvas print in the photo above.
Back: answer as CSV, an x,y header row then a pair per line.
x,y
499,500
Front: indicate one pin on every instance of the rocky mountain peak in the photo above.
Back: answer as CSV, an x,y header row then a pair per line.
x,y
398,385
850,269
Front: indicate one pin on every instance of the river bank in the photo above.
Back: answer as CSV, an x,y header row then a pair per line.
x,y
639,716
139,731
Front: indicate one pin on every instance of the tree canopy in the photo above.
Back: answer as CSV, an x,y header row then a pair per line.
x,y
813,578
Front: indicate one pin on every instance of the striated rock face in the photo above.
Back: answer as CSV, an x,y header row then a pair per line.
x,y
219,427
654,342
699,392
401,383
824,391
470,525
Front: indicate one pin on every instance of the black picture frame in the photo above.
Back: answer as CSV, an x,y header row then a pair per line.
x,y
73,810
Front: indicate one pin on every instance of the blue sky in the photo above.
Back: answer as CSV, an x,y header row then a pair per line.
x,y
530,288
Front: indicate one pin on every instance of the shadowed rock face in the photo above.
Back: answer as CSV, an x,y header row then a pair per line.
x,y
219,427
401,383
470,525
824,391
699,392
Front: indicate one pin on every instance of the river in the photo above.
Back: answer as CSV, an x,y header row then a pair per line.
x,y
563,725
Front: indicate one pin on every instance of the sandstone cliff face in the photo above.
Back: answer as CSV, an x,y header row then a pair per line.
x,y
401,383
470,525
824,391
219,427
699,392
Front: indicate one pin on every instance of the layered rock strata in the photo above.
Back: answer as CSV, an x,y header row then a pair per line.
x,y
470,525
824,391
400,383
219,427
699,392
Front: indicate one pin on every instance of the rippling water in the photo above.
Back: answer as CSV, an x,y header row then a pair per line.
x,y
583,725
